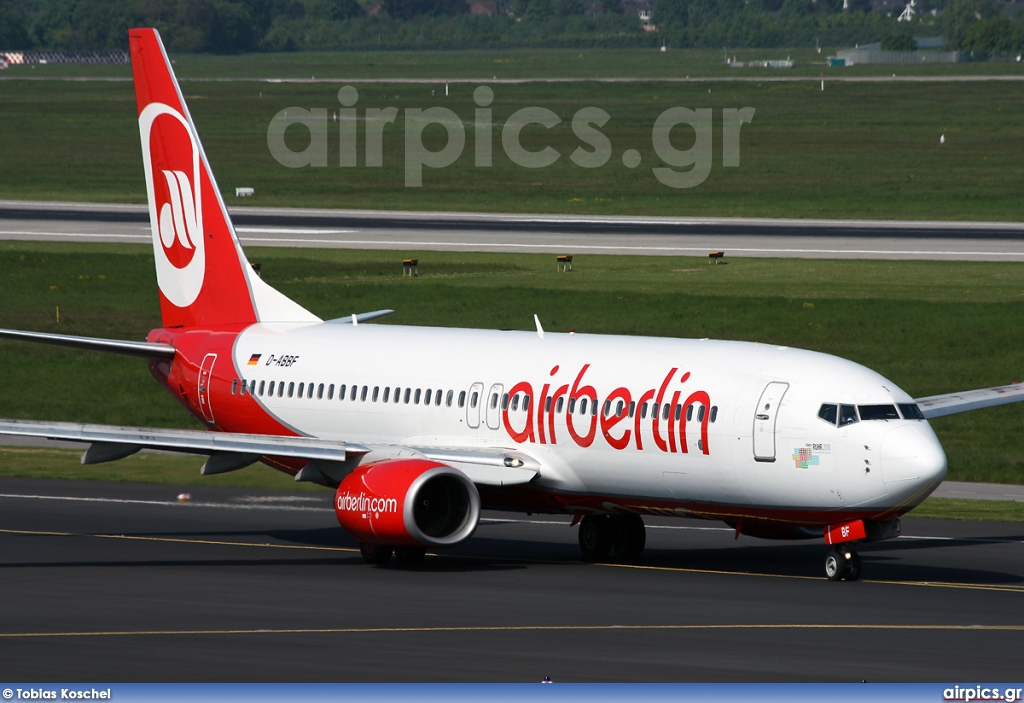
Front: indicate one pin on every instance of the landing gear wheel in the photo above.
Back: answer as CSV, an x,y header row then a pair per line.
x,y
595,536
630,536
835,565
375,553
842,565
410,555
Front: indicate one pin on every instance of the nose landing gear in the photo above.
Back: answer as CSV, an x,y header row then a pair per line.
x,y
842,565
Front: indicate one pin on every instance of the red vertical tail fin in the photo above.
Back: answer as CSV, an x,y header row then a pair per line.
x,y
203,275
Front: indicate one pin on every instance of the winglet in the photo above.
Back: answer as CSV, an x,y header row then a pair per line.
x,y
540,330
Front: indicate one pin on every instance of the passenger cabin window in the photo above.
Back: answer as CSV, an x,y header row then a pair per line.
x,y
302,388
376,393
330,392
341,391
262,387
234,387
437,399
362,394
474,399
462,399
448,398
910,411
878,412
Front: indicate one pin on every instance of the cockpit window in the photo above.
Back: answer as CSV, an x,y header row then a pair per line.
x,y
910,411
847,415
829,412
878,412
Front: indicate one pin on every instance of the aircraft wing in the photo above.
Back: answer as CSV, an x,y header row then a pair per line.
x,y
489,467
952,403
228,451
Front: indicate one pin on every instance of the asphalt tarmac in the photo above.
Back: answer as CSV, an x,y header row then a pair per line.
x,y
655,236
120,582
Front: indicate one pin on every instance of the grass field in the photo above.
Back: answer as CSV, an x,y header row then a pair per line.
x,y
931,327
856,150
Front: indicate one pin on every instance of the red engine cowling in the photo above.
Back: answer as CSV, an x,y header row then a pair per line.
x,y
408,502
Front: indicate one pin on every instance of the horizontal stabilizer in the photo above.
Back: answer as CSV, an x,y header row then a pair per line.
x,y
361,317
214,444
146,350
952,403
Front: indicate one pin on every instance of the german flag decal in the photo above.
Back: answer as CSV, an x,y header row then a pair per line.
x,y
254,359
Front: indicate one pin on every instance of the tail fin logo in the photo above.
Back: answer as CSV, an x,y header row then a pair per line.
x,y
175,202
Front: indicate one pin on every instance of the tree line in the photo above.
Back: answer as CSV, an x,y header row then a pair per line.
x,y
232,26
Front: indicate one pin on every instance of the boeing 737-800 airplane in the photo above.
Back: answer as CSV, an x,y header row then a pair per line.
x,y
418,428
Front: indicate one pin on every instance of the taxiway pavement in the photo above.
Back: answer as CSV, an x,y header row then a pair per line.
x,y
119,582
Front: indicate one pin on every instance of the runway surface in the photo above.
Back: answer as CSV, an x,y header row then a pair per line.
x,y
118,582
415,231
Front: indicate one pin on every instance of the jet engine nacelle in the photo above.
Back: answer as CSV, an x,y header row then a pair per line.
x,y
408,502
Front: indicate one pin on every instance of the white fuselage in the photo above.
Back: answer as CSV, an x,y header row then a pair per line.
x,y
748,433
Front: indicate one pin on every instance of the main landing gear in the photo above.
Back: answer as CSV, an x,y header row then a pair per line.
x,y
599,534
842,564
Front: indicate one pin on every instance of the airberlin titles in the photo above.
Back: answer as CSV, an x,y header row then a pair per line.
x,y
668,421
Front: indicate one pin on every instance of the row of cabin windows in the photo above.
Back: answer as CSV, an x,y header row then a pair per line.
x,y
291,389
418,396
619,409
